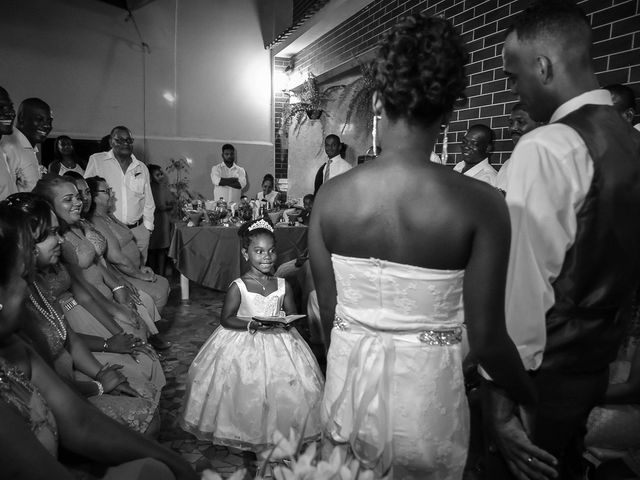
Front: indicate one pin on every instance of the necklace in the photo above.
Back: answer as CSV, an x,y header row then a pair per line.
x,y
48,312
264,288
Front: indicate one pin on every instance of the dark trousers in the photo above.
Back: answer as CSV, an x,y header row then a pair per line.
x,y
565,401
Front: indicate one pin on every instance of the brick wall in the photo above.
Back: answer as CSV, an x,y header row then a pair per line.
x,y
279,99
616,52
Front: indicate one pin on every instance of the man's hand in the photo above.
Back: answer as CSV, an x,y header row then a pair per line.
x,y
524,459
232,182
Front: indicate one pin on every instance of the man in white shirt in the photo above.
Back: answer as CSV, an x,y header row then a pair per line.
x,y
519,123
7,115
228,178
574,259
33,124
476,149
128,178
335,164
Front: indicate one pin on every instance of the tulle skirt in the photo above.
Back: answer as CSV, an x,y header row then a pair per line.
x,y
241,388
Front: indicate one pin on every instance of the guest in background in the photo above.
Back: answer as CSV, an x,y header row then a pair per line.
x,y
7,115
228,177
65,158
39,412
624,101
307,202
268,193
161,236
519,123
476,149
33,124
574,262
129,178
335,164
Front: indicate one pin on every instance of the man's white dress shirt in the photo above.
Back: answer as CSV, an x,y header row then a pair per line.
x,y
337,166
482,171
7,180
22,159
549,175
501,179
228,194
134,200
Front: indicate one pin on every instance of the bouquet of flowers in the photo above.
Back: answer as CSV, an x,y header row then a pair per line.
x,y
294,464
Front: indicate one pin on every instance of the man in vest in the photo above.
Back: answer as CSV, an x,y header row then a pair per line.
x,y
574,200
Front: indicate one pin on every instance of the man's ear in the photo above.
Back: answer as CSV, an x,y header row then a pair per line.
x,y
544,69
628,114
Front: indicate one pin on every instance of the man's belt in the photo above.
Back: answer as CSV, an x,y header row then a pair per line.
x,y
135,224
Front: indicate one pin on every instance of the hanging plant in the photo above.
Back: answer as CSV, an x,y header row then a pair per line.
x,y
361,94
312,105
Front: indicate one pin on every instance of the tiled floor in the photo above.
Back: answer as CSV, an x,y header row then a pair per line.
x,y
191,326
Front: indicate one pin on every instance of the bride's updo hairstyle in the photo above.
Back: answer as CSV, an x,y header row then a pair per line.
x,y
419,69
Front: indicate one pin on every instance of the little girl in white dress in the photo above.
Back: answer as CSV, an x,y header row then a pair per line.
x,y
250,378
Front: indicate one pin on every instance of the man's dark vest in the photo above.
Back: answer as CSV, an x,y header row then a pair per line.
x,y
601,269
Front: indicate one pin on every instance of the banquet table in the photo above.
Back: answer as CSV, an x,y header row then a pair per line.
x,y
210,256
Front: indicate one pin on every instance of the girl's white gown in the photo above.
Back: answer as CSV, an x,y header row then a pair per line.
x,y
395,391
241,387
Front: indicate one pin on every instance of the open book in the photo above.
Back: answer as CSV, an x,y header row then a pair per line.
x,y
278,320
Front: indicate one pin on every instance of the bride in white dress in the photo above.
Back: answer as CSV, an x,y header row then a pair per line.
x,y
391,271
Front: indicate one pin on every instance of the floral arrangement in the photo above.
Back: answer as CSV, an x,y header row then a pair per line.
x,y
180,187
298,465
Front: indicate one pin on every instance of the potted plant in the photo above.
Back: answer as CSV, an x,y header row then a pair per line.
x,y
311,106
180,187
361,95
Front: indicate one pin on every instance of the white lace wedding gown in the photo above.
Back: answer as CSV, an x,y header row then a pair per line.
x,y
394,390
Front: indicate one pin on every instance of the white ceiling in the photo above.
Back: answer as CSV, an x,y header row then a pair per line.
x,y
328,17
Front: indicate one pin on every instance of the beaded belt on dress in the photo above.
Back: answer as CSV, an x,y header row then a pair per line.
x,y
69,304
441,337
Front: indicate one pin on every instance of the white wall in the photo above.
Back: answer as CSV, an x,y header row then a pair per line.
x,y
85,60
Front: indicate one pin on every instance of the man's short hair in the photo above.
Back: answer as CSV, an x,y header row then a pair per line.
x,y
228,146
559,21
624,93
119,127
32,102
332,135
521,107
487,131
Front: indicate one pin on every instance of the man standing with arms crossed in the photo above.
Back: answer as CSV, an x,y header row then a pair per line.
x,y
574,200
227,177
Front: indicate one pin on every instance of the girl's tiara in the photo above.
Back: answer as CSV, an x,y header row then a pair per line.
x,y
260,224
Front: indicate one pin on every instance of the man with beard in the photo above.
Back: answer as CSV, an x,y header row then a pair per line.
x,y
519,123
574,263
33,124
7,115
476,149
129,179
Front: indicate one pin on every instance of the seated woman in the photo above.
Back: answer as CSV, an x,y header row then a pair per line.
x,y
268,193
39,411
65,158
50,295
122,251
150,313
82,252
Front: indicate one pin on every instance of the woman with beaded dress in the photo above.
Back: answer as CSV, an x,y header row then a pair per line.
x,y
52,296
142,302
394,276
82,252
39,413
